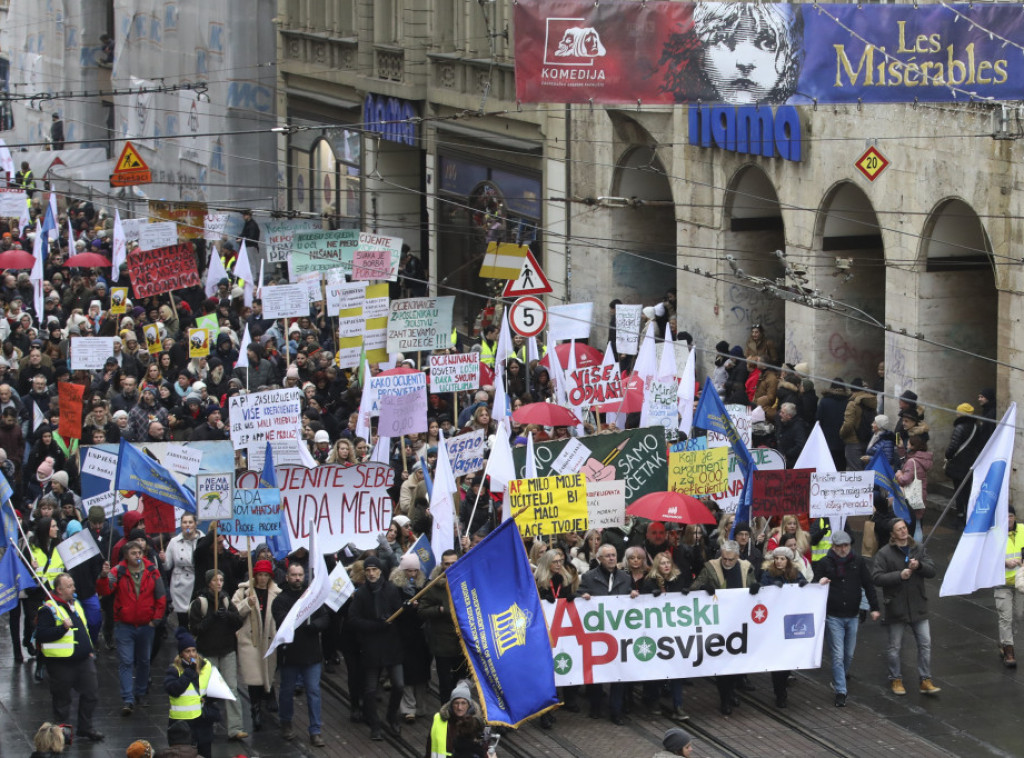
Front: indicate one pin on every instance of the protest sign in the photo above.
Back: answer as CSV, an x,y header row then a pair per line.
x,y
420,323
375,311
554,504
342,295
159,516
341,587
571,321
345,503
209,323
214,225
279,235
77,549
627,328
272,415
572,458
677,636
198,343
163,269
321,251
90,353
740,415
214,493
189,217
153,236
662,403
118,300
151,333
393,384
695,443
285,301
458,372
594,385
403,414
100,463
842,493
368,265
314,290
636,456
466,452
606,504
254,512
765,459
778,493
381,256
12,202
700,472
183,459
108,501
70,397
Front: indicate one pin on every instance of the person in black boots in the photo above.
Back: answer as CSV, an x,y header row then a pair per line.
x,y
253,600
185,683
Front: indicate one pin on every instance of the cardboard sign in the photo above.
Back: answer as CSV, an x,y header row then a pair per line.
x,y
627,328
842,493
375,311
100,463
393,384
254,512
661,400
403,414
118,300
198,343
594,385
270,415
346,503
740,415
190,217
368,265
420,323
571,459
606,504
183,459
321,251
70,397
342,295
285,301
214,496
571,321
312,282
153,236
108,501
90,353
700,472
214,226
278,236
695,443
765,459
382,255
458,372
466,452
636,456
12,202
164,269
778,493
131,227
554,505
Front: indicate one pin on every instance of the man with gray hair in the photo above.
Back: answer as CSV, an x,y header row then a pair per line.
x,y
791,433
727,572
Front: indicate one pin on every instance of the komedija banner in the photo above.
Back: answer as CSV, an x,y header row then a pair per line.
x,y
674,636
575,51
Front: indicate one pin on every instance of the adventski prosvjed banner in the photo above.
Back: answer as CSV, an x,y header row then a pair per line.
x,y
570,51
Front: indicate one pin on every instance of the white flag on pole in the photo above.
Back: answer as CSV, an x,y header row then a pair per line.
x,y
978,560
243,346
77,549
685,394
341,587
309,602
816,455
442,503
214,273
243,271
120,254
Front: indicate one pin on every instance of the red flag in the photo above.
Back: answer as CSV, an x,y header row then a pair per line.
x,y
159,515
70,397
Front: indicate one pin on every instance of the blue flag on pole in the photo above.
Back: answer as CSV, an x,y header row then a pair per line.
x,y
495,602
886,479
14,577
281,544
421,549
711,415
746,498
137,472
427,478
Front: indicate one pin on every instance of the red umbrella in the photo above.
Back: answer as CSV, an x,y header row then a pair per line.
x,y
632,400
399,370
17,259
88,260
545,414
671,506
585,355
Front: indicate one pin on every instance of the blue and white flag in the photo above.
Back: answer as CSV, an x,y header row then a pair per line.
x,y
978,560
885,478
137,472
281,544
421,549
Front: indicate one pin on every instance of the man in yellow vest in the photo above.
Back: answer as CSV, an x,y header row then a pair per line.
x,y
64,641
186,682
1010,600
821,538
457,727
489,345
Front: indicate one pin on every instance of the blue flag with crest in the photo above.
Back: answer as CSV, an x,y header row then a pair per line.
x,y
137,472
281,544
885,478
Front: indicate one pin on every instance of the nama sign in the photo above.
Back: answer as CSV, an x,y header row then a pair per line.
x,y
752,129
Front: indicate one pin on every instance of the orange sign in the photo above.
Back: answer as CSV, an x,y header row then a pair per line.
x,y
130,169
872,163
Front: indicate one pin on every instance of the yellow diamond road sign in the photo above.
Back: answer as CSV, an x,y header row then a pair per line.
x,y
872,163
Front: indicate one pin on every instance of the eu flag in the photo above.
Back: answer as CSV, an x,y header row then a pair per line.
x,y
886,479
137,472
495,602
280,544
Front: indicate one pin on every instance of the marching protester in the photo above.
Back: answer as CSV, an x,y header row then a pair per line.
x,y
186,683
253,600
178,562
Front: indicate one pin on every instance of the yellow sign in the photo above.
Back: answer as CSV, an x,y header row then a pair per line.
x,y
699,472
503,260
872,163
130,169
118,300
152,334
375,309
554,504
198,343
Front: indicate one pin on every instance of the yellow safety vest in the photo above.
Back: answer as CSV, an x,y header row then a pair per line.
x,y
1014,543
65,646
47,571
439,737
189,704
487,354
820,549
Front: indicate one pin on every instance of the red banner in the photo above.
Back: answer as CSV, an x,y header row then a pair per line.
x,y
159,515
154,272
779,493
70,397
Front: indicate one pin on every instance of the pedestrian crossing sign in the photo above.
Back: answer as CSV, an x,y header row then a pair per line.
x,y
530,281
130,169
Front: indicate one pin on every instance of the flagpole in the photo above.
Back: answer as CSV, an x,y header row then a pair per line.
x,y
21,555
472,513
946,509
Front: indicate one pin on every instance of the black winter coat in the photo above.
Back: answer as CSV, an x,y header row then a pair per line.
x,y
831,409
380,642
963,448
215,629
304,649
906,601
844,588
441,635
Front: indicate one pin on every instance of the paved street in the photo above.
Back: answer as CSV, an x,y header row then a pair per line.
x,y
972,716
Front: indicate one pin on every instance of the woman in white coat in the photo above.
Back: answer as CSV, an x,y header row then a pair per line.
x,y
253,599
177,560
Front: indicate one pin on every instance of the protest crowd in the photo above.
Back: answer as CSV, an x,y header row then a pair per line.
x,y
101,363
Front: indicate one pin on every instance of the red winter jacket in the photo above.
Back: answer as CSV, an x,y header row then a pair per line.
x,y
138,610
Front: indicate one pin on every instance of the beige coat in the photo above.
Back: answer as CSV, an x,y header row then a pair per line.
x,y
255,637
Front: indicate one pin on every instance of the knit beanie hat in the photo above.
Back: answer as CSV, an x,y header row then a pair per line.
x,y
73,527
185,640
409,561
373,561
675,739
461,691
45,470
139,749
263,567
965,408
882,422
61,478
